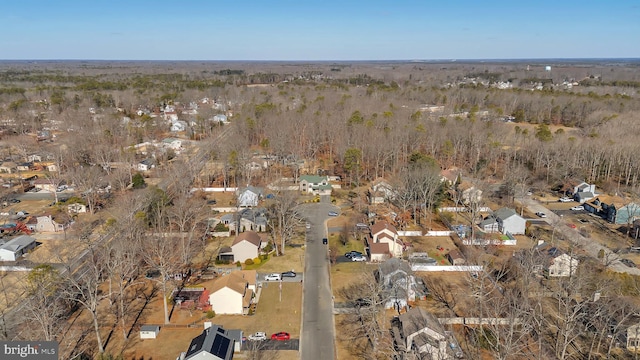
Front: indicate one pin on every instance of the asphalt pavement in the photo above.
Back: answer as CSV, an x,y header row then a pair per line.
x,y
318,328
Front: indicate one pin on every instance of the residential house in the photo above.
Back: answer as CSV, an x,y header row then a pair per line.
x,y
246,246
383,232
26,166
77,208
380,191
34,158
172,143
468,193
48,224
421,261
399,284
455,257
607,207
633,337
378,252
560,264
451,176
314,184
583,192
44,184
254,219
8,167
230,294
213,344
628,214
179,126
504,220
249,196
13,249
418,333
146,165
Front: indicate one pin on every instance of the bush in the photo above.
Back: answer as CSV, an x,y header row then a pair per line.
x,y
220,227
264,257
211,314
268,248
248,262
257,261
238,263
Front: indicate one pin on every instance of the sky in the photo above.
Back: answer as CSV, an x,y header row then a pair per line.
x,y
317,30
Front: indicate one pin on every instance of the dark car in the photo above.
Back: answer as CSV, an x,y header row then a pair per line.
x,y
352,254
282,336
289,274
361,302
628,262
325,241
14,201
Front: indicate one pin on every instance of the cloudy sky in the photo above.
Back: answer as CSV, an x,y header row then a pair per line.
x,y
318,30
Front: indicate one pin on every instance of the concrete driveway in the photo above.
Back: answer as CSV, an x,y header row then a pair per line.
x,y
318,329
589,246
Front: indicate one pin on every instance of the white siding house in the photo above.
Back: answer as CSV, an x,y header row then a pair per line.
x,y
16,247
246,246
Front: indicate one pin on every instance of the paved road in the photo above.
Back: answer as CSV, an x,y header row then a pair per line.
x,y
591,247
318,331
269,344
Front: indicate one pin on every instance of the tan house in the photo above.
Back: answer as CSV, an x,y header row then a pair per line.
x,y
633,338
380,191
8,167
378,252
562,265
44,184
383,232
77,208
48,224
230,294
246,246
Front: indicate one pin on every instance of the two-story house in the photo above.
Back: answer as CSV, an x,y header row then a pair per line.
x,y
503,221
246,246
231,294
314,184
399,284
249,196
383,232
419,335
380,192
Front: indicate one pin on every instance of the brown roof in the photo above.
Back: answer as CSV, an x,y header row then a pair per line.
x,y
234,281
246,300
379,248
249,276
455,254
250,236
381,225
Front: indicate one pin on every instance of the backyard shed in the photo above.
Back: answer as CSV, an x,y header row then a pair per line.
x,y
149,331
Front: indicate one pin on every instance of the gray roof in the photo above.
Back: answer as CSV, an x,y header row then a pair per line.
x,y
18,243
314,179
214,341
150,328
585,195
392,265
505,213
253,189
488,221
417,319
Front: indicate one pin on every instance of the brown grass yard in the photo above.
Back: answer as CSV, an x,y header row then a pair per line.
x,y
272,315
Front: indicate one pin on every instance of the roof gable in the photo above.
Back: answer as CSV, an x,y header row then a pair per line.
x,y
251,237
381,226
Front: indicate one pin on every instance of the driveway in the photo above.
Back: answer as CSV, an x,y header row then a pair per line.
x,y
318,332
269,344
589,246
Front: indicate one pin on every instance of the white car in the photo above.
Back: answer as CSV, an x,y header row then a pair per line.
x,y
541,214
358,258
308,226
577,208
565,199
259,336
273,277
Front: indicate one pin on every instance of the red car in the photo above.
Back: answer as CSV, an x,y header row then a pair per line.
x,y
573,226
282,336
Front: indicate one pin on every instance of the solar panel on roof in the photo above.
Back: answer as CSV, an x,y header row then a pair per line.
x,y
220,346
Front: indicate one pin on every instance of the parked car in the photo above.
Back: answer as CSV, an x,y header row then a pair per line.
x,y
259,336
565,199
352,253
282,336
273,277
577,208
573,226
325,241
333,213
362,226
14,201
308,226
541,214
358,258
628,262
289,274
361,302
